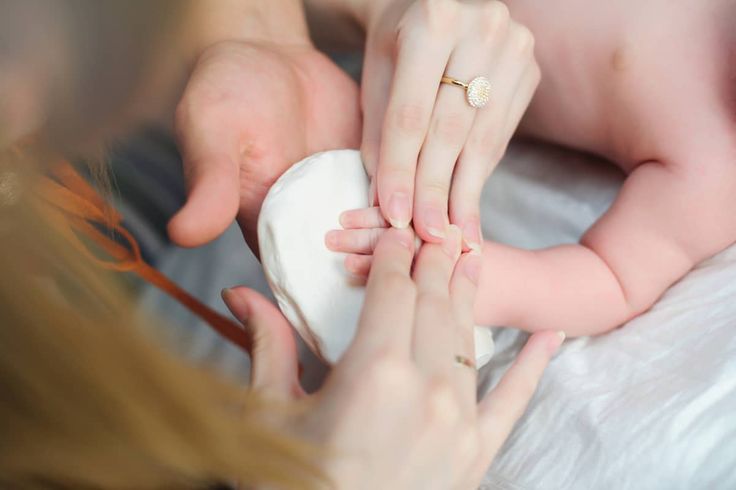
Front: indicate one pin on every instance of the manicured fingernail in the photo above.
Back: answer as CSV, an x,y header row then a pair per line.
x,y
406,238
331,239
451,244
435,222
472,268
399,210
472,236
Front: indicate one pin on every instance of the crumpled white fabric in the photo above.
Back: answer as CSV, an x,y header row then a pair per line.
x,y
651,405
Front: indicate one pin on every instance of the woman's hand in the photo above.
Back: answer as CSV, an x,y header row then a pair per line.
x,y
399,410
428,151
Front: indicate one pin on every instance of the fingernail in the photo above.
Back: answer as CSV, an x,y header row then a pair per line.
x,y
472,236
406,238
451,244
331,239
237,307
435,223
472,268
399,210
555,345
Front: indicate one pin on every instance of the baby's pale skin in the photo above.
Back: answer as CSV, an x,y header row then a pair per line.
x,y
650,86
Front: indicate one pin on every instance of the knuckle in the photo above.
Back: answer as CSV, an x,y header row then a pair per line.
x,y
408,118
443,407
387,371
450,128
523,39
435,301
481,142
441,16
468,442
434,190
496,13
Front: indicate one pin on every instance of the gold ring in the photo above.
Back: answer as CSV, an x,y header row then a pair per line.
x,y
477,92
464,361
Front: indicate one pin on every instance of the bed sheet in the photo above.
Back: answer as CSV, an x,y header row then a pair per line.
x,y
651,405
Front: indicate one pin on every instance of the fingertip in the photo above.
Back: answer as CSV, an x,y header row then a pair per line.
x,y
471,265
358,265
183,234
236,300
430,233
332,240
398,210
201,220
472,235
548,342
345,219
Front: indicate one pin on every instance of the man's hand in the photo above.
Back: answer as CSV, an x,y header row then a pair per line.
x,y
250,110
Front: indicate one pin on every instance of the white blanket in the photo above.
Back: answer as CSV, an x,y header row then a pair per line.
x,y
651,405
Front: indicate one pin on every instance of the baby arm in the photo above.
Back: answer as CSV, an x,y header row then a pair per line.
x,y
665,220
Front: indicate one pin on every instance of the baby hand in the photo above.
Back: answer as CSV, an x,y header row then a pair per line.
x,y
362,229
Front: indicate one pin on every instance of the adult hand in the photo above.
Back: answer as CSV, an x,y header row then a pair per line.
x,y
249,111
428,150
398,410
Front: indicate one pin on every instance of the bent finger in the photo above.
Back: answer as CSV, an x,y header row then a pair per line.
x,y
274,362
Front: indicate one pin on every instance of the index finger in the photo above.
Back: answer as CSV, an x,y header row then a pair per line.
x,y
386,321
420,63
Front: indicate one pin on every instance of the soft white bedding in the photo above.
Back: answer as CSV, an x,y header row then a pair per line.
x,y
649,406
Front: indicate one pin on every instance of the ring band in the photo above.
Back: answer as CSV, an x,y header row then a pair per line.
x,y
464,361
477,91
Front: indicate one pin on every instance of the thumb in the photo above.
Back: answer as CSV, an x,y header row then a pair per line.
x,y
274,360
211,169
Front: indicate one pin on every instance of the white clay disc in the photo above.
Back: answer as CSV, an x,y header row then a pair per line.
x,y
314,291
